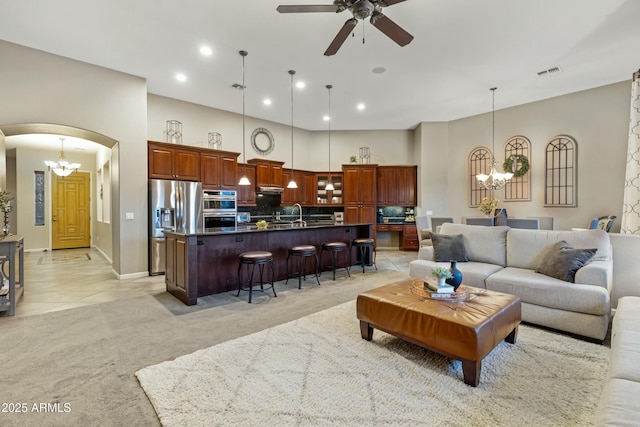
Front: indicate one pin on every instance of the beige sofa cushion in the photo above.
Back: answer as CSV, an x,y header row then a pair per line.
x,y
525,248
538,289
619,405
483,244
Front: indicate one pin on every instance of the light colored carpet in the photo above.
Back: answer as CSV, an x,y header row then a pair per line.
x,y
317,370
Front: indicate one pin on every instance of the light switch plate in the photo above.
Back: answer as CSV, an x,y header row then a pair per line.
x,y
429,212
128,215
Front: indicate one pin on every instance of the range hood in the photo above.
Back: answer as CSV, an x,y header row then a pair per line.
x,y
269,190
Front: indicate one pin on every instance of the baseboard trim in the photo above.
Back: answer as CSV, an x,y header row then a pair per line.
x,y
37,250
97,248
130,275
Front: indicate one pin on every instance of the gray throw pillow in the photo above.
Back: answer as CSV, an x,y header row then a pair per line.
x,y
448,247
562,261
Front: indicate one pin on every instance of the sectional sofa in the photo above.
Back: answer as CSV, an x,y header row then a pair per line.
x,y
619,403
506,260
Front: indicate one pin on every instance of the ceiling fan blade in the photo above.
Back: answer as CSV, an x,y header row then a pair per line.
x,y
308,8
385,3
391,29
341,36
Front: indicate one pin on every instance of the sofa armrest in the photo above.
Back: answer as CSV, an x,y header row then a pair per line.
x,y
598,273
426,253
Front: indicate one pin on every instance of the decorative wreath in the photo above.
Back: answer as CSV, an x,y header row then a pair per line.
x,y
522,160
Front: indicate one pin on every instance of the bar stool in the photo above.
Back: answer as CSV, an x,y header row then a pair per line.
x,y
253,258
363,245
335,248
302,252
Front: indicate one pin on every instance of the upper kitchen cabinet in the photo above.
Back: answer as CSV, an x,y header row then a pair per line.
x,y
397,185
328,197
268,172
359,184
304,194
246,194
168,161
218,170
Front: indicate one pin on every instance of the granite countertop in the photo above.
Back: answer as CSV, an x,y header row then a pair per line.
x,y
276,226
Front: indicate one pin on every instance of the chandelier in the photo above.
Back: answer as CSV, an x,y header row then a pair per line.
x,y
495,180
62,167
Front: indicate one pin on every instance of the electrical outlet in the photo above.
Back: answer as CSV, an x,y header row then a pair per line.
x,y
429,212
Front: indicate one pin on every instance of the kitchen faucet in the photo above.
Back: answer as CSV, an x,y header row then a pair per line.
x,y
302,223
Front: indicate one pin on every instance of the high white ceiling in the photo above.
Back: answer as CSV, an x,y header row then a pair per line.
x,y
461,49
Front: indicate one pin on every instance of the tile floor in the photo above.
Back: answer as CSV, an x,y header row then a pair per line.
x,y
70,278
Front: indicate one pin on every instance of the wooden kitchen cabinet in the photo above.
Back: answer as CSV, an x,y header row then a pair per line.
x,y
246,194
359,185
410,240
397,185
167,161
306,191
328,197
268,172
219,170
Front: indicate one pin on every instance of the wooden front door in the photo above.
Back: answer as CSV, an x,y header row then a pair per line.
x,y
70,211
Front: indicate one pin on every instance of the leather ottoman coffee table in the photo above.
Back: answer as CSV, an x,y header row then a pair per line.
x,y
465,331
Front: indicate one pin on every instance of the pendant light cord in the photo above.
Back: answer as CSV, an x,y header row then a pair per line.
x,y
291,73
493,125
244,159
329,90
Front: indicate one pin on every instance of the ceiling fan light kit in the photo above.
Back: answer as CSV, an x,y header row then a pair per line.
x,y
360,9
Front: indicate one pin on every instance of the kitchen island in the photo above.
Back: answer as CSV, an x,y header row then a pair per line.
x,y
206,263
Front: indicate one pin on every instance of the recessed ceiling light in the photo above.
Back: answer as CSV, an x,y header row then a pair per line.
x,y
181,77
378,70
300,85
361,106
326,118
206,50
266,101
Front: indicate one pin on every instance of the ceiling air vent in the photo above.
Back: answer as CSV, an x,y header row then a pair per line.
x,y
549,71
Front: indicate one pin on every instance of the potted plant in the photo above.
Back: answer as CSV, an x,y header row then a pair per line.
x,y
441,274
352,159
487,206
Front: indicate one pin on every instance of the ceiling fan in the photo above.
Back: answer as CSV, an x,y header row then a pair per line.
x,y
360,9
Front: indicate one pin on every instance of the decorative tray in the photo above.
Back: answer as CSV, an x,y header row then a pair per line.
x,y
419,290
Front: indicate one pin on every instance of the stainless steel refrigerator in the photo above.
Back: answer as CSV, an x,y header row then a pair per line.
x,y
175,206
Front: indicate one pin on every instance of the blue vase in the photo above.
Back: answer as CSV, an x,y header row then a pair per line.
x,y
456,280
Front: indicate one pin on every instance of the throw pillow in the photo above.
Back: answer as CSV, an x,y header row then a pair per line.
x,y
562,261
448,247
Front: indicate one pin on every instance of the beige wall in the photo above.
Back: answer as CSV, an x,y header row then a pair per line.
x,y
29,160
45,88
598,119
311,149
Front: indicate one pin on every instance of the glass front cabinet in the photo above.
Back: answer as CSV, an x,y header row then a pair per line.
x,y
328,197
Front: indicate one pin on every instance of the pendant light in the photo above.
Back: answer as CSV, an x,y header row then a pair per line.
x,y
495,180
329,186
244,180
292,183
62,167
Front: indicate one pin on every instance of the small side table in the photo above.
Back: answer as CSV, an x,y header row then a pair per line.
x,y
10,246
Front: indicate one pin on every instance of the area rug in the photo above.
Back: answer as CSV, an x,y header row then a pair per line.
x,y
318,371
60,259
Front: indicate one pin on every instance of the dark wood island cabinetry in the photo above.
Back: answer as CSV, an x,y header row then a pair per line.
x,y
204,264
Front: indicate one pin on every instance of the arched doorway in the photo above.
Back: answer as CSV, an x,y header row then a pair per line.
x,y
70,131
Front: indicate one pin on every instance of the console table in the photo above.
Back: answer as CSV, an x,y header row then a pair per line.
x,y
10,246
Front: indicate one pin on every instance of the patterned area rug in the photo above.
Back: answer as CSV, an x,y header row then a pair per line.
x,y
60,259
318,371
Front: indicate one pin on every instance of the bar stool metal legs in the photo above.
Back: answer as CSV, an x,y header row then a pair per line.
x,y
362,245
335,248
301,253
259,258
